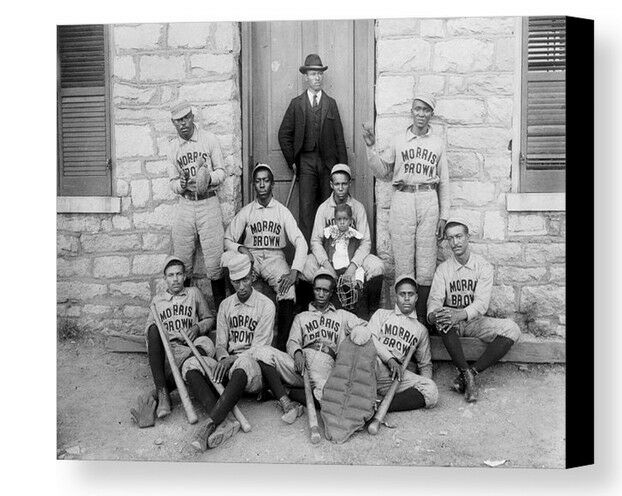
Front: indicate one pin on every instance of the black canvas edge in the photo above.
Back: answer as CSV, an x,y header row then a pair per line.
x,y
579,242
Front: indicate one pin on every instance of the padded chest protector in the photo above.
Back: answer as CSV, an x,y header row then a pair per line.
x,y
350,391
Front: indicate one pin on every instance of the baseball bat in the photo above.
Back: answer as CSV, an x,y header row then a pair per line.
x,y
373,427
291,190
246,426
312,414
179,382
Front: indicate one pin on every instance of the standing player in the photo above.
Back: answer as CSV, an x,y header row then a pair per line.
x,y
195,170
267,225
245,321
311,139
179,307
458,300
417,163
394,332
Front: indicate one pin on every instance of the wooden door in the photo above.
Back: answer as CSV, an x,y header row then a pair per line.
x,y
271,55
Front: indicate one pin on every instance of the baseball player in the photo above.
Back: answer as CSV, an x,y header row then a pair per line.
x,y
420,204
313,342
245,321
179,307
195,170
267,225
394,332
373,267
458,300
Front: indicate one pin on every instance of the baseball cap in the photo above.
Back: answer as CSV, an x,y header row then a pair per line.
x,y
458,219
170,259
341,168
180,110
405,277
239,265
323,272
427,98
262,166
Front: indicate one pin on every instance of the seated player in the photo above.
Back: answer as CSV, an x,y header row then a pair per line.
x,y
245,321
312,343
179,307
458,300
394,332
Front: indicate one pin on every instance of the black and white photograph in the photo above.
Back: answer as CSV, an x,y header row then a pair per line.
x,y
325,242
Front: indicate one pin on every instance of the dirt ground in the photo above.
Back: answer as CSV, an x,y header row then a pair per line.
x,y
519,418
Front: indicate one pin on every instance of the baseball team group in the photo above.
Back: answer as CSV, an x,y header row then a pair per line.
x,y
326,343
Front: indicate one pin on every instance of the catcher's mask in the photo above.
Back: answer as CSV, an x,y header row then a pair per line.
x,y
347,292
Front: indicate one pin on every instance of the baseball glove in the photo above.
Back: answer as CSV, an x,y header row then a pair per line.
x,y
203,177
348,292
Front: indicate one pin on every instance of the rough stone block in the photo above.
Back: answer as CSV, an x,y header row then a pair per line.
x,y
502,301
156,168
221,119
460,110
76,290
161,217
214,91
148,264
504,54
63,311
159,68
543,300
72,267
121,223
124,67
137,37
478,138
227,37
465,55
139,290
66,244
394,94
558,273
77,223
474,26
397,27
124,169
463,164
490,84
127,94
133,141
96,309
402,55
113,266
168,94
189,34
432,28
539,254
455,85
136,312
494,225
123,188
471,192
98,243
505,253
207,64
387,127
498,165
499,110
526,224
431,83
521,275
162,190
156,242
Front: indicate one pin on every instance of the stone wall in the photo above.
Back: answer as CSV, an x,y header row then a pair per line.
x,y
468,64
108,266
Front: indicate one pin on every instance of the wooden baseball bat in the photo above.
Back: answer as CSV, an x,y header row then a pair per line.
x,y
373,427
312,414
179,382
291,189
246,426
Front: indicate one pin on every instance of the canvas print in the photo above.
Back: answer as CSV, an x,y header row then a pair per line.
x,y
320,242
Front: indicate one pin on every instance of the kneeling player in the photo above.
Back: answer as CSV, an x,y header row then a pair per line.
x,y
245,321
394,332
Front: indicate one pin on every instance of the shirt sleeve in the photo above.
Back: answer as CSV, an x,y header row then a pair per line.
x,y
423,355
222,333
218,173
235,229
381,161
483,290
173,171
294,342
205,318
265,325
443,187
436,298
362,228
374,324
295,236
317,245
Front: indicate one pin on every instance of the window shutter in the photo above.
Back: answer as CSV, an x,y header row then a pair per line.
x,y
543,157
83,114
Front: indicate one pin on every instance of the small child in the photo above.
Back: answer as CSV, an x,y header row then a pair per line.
x,y
341,241
179,307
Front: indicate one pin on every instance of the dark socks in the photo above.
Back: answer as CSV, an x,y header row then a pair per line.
x,y
219,291
374,292
493,353
285,319
230,396
452,343
421,306
411,399
273,379
201,390
156,356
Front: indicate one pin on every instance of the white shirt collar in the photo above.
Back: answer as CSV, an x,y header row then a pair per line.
x,y
310,96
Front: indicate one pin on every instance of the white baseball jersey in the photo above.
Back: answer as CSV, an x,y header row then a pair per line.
x,y
183,156
394,333
415,160
182,311
328,327
466,286
240,326
325,216
267,228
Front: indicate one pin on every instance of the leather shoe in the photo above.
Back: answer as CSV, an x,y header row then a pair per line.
x,y
470,388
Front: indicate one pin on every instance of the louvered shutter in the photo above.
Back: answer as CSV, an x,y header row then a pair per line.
x,y
83,114
543,151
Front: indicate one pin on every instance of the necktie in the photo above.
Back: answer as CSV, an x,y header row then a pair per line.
x,y
314,101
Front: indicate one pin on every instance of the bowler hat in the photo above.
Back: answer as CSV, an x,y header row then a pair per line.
x,y
312,63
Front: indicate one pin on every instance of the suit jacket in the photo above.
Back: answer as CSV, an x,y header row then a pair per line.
x,y
331,143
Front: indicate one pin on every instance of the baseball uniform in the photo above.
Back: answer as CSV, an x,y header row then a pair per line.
x,y
198,215
418,167
240,328
317,334
394,333
469,287
266,232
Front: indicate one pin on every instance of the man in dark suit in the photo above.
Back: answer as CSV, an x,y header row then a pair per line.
x,y
311,139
